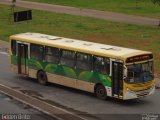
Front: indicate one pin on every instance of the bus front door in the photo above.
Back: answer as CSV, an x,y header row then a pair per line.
x,y
22,59
117,79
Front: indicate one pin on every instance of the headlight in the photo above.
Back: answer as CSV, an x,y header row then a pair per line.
x,y
129,90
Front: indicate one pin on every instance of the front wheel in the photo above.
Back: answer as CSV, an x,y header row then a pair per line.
x,y
101,92
42,78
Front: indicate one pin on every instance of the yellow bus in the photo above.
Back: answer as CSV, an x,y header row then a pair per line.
x,y
105,70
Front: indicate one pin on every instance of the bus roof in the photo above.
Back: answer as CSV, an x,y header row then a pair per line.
x,y
79,45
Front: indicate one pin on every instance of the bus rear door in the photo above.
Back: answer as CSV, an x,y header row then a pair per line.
x,y
22,58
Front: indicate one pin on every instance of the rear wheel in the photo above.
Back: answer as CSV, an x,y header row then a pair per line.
x,y
42,78
100,92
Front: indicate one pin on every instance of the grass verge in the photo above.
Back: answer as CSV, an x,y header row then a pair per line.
x,y
89,29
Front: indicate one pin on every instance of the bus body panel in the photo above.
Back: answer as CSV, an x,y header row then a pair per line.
x,y
63,75
78,78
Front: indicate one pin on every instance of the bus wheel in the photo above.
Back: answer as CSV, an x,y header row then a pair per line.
x,y
100,92
42,78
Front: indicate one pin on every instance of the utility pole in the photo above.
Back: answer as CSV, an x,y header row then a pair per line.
x,y
13,5
19,16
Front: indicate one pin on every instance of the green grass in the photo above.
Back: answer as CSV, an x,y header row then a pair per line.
x,y
90,29
145,7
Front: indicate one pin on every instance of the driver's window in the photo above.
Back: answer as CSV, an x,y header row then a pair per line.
x,y
130,74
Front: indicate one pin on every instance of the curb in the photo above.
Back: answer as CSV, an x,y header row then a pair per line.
x,y
54,111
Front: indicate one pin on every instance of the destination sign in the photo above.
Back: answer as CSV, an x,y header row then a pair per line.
x,y
22,16
139,58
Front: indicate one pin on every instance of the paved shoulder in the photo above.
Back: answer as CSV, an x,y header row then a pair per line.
x,y
112,16
157,83
4,44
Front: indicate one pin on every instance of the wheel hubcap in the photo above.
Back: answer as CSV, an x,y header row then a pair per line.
x,y
101,92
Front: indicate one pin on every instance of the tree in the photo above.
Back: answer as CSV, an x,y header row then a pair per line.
x,y
156,1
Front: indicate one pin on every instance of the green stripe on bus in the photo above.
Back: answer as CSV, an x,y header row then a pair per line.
x,y
84,75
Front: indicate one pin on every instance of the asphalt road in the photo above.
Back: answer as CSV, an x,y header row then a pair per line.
x,y
80,102
111,16
10,106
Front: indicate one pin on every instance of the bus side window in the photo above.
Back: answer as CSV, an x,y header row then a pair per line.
x,y
84,61
98,64
13,47
52,54
67,58
36,52
101,65
107,65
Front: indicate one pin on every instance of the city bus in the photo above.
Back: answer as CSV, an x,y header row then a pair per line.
x,y
104,70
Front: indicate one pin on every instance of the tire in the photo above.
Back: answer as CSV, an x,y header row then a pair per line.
x,y
101,92
42,78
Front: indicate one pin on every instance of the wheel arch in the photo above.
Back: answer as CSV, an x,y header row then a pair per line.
x,y
41,70
96,86
43,80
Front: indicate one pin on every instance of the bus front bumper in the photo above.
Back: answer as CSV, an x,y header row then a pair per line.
x,y
138,94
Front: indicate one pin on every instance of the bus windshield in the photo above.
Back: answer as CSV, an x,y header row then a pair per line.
x,y
139,73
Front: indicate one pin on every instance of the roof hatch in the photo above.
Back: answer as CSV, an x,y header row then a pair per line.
x,y
87,44
111,48
50,37
53,38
